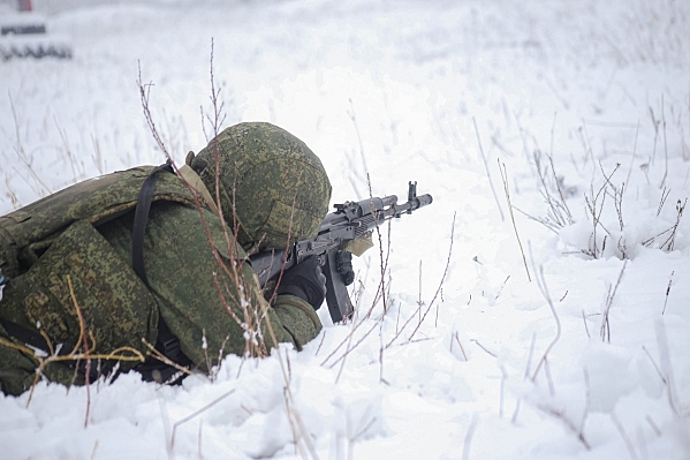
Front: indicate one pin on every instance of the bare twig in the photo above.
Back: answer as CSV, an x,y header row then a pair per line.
x,y
383,261
504,378
656,366
154,353
468,437
491,353
663,122
605,330
349,348
584,320
74,355
586,143
668,291
588,399
381,353
94,450
560,415
626,439
26,159
655,124
218,117
549,379
525,376
664,195
318,348
541,282
85,343
504,177
632,157
440,284
197,413
654,426
455,336
144,95
557,213
595,208
433,300
669,244
666,367
488,172
419,299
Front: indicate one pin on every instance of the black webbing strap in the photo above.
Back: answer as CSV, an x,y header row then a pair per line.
x,y
167,343
141,218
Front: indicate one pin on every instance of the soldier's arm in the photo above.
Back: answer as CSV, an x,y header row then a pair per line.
x,y
213,309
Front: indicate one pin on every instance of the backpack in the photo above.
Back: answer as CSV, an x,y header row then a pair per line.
x,y
52,254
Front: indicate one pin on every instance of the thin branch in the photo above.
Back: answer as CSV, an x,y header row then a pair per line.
x,y
605,330
504,177
468,438
488,172
541,282
668,291
588,399
440,284
656,366
491,353
560,415
85,344
156,354
626,439
196,413
144,94
632,157
525,376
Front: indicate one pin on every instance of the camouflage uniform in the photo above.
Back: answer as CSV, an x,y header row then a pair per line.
x,y
271,188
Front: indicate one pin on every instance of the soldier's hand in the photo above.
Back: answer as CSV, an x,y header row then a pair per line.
x,y
306,281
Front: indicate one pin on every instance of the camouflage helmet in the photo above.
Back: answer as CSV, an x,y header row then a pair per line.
x,y
278,185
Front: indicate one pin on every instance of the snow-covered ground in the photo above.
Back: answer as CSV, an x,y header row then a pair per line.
x,y
503,338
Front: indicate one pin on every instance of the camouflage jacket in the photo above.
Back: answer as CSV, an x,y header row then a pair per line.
x,y
200,282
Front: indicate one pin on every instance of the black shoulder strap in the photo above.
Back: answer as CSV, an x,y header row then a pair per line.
x,y
141,218
167,343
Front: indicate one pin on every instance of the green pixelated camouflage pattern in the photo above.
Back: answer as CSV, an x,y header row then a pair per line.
x,y
185,278
197,296
51,244
117,308
26,232
276,181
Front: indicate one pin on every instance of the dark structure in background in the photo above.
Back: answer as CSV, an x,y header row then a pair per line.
x,y
24,35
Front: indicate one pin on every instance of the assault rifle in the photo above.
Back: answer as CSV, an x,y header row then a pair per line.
x,y
352,222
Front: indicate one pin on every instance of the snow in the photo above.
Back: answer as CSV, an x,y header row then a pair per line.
x,y
392,91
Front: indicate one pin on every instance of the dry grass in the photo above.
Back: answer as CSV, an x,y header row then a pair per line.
x,y
506,189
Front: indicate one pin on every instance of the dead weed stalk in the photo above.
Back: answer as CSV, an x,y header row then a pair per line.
x,y
506,189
